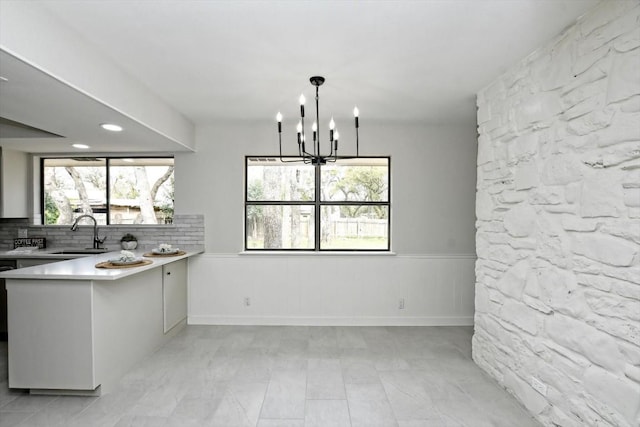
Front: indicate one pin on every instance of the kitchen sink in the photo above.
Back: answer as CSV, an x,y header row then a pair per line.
x,y
88,251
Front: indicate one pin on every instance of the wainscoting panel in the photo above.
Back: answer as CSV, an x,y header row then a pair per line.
x,y
324,289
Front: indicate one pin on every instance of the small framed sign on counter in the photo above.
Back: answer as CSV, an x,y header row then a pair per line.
x,y
39,242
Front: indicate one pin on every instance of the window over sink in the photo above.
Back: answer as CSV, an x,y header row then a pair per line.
x,y
114,190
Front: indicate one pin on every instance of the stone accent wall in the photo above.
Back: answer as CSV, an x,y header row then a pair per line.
x,y
186,231
558,224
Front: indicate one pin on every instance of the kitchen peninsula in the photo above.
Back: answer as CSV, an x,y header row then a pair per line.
x,y
76,329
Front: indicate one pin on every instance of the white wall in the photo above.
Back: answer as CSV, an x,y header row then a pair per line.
x,y
558,240
432,186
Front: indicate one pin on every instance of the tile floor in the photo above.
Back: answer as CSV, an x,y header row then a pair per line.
x,y
289,376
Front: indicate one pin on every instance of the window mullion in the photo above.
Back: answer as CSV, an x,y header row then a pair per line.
x,y
318,214
108,190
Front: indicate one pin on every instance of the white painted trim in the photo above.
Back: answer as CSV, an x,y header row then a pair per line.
x,y
331,321
338,254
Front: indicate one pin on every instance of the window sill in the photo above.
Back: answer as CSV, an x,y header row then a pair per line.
x,y
318,253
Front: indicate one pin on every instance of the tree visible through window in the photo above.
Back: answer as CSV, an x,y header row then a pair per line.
x,y
337,206
113,190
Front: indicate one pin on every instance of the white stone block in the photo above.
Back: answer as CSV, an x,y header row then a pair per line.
x,y
561,169
612,156
584,107
584,92
606,249
601,196
556,288
526,176
484,206
632,198
625,289
625,127
485,150
613,305
628,41
597,346
520,220
484,114
629,274
576,223
627,330
530,398
511,197
524,146
513,281
539,107
587,59
591,122
631,105
624,80
620,394
627,229
547,196
595,281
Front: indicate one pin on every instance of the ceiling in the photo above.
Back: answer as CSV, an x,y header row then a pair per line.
x,y
399,61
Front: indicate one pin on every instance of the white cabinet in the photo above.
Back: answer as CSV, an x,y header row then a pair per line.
x,y
14,184
174,293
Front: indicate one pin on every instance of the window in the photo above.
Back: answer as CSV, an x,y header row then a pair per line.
x,y
113,190
343,206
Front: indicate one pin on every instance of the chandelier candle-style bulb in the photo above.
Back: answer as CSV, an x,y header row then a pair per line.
x,y
356,113
299,129
302,101
314,128
279,119
332,125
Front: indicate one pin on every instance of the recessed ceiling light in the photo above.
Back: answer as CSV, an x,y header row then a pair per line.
x,y
128,160
80,146
111,127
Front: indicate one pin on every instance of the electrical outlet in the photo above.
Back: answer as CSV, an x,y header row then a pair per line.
x,y
247,301
539,386
401,304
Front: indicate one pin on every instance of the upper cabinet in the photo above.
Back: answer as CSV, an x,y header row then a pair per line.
x,y
14,184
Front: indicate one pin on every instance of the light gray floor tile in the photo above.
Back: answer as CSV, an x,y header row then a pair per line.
x,y
407,395
28,403
240,405
325,385
12,419
325,413
59,412
371,413
373,391
359,371
286,395
281,375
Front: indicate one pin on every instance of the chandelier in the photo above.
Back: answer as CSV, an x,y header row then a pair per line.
x,y
313,155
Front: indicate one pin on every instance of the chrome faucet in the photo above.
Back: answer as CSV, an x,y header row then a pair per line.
x,y
97,242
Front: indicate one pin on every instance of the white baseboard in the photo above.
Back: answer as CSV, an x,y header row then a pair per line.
x,y
331,321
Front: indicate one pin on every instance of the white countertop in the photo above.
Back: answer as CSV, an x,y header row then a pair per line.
x,y
83,268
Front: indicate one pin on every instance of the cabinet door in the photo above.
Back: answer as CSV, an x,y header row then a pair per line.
x,y
174,293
